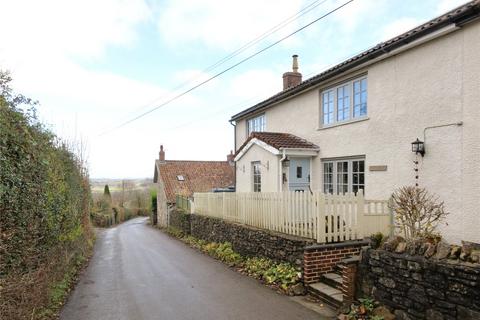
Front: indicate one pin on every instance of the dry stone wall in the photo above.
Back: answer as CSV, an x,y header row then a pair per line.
x,y
249,241
416,287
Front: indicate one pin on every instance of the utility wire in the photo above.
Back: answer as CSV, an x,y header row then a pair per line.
x,y
227,69
235,53
220,111
238,51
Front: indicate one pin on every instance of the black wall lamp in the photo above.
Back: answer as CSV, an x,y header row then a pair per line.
x,y
418,147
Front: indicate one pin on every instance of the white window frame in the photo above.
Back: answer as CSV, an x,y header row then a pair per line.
x,y
350,172
351,102
256,124
255,184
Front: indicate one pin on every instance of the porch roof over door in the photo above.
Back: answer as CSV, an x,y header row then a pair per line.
x,y
278,143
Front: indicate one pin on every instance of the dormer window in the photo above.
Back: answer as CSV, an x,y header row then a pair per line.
x,y
256,124
344,102
180,178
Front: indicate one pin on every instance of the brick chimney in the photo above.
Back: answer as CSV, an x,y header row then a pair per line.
x,y
161,154
293,78
230,157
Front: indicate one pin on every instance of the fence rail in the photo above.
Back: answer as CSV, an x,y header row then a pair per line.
x,y
319,216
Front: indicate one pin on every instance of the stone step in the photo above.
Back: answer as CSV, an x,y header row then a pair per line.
x,y
328,294
332,279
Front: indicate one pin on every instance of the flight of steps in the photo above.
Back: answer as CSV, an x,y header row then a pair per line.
x,y
328,289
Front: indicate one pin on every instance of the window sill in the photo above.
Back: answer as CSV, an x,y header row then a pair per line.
x,y
338,124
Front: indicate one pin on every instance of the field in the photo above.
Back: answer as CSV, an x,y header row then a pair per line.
x,y
117,185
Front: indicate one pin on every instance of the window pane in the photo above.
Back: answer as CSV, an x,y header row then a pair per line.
x,y
360,98
327,101
358,175
342,177
299,172
328,177
343,103
257,178
256,124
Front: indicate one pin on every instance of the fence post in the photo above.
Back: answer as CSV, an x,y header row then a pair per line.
x,y
360,213
392,218
223,206
320,217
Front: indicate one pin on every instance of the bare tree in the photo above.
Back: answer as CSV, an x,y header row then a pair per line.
x,y
417,212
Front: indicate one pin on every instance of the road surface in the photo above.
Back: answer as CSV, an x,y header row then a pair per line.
x,y
138,272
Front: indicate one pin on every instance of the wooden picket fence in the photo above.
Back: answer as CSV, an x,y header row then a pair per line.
x,y
319,216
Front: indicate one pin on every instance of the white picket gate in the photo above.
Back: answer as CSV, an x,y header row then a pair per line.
x,y
319,216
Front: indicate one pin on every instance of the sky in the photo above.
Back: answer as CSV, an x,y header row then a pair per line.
x,y
94,65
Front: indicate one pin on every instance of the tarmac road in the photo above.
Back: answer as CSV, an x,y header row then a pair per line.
x,y
138,272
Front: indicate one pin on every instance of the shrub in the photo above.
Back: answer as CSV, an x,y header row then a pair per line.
x,y
417,213
283,274
44,207
210,248
363,309
257,266
153,198
225,253
175,232
377,240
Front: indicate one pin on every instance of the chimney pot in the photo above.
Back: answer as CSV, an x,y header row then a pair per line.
x,y
230,157
292,78
161,154
295,63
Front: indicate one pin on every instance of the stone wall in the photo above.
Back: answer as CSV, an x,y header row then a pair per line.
x,y
179,220
419,288
322,258
249,241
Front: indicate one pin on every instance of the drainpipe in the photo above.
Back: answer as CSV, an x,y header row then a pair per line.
x,y
234,148
280,175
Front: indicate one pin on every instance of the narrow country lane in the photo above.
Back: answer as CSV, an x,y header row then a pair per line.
x,y
137,272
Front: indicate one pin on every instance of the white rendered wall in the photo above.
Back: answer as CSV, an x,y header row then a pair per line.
x,y
433,84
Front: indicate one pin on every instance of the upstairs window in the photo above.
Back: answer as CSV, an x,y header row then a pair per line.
x,y
256,124
347,101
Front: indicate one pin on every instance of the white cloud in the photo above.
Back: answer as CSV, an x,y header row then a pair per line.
x,y
256,83
447,5
351,16
398,27
79,28
222,24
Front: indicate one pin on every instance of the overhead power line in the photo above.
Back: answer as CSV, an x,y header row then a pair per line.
x,y
243,48
227,69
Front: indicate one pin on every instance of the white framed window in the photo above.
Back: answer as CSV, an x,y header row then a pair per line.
x,y
343,175
328,177
256,124
344,102
256,176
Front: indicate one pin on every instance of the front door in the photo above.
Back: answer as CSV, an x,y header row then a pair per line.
x,y
299,174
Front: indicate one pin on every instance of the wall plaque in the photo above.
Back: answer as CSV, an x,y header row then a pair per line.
x,y
377,168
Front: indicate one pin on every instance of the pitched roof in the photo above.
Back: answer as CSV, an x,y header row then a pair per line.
x,y
280,140
199,176
459,16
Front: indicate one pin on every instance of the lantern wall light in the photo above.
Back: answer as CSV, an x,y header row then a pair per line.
x,y
418,147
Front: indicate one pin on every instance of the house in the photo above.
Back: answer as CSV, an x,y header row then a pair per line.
x,y
352,126
184,177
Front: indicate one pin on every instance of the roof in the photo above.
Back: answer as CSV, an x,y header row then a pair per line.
x,y
459,16
199,176
279,140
